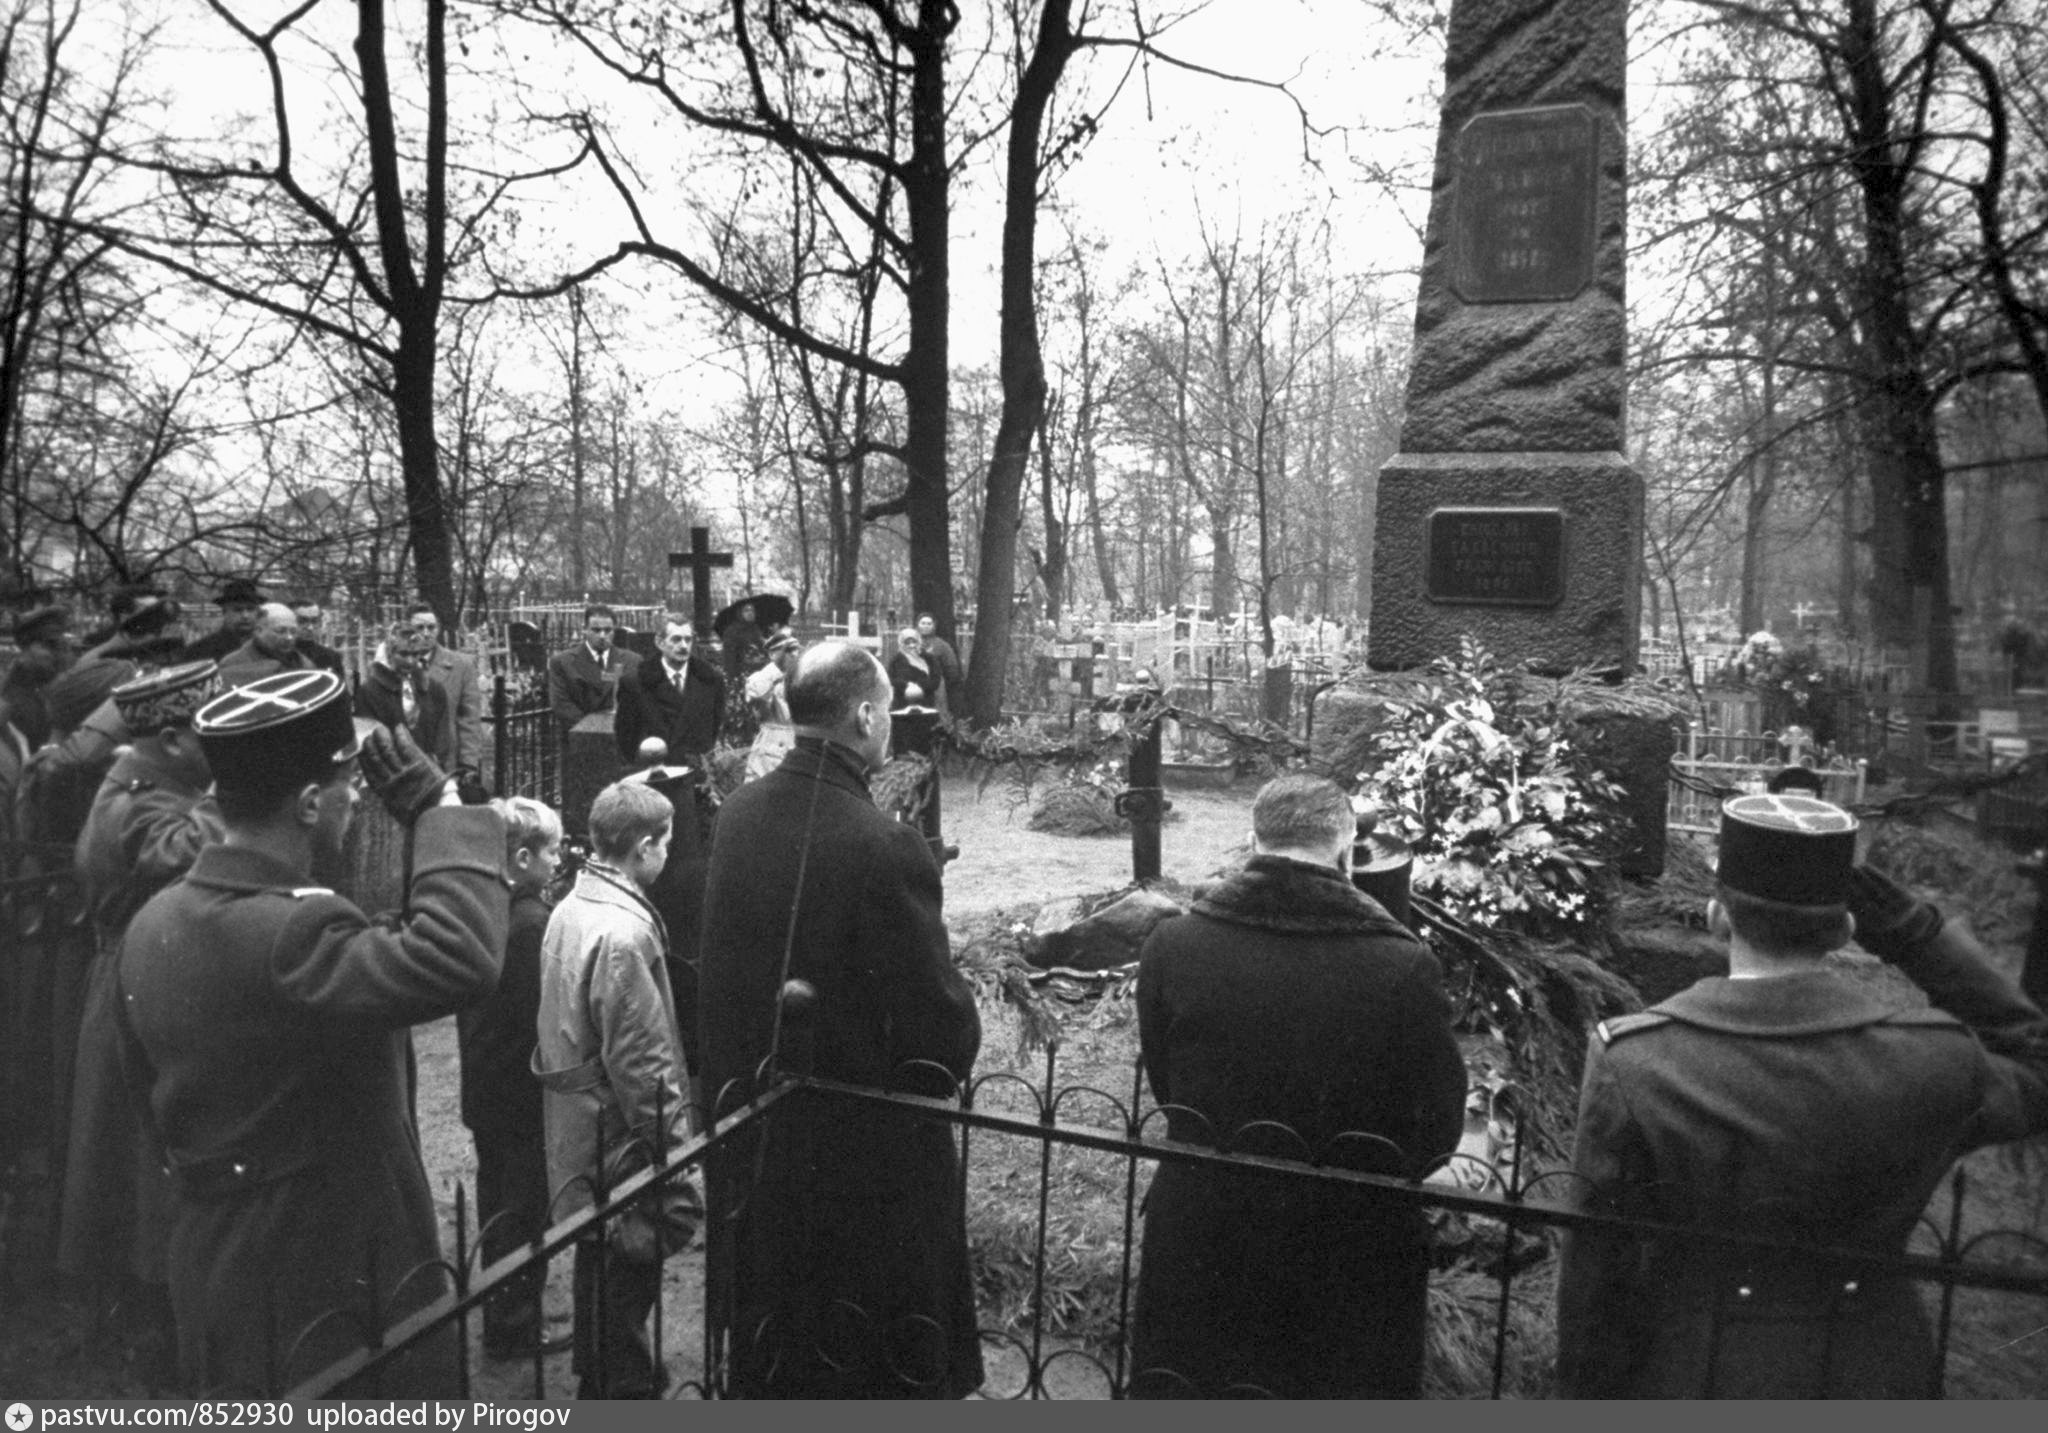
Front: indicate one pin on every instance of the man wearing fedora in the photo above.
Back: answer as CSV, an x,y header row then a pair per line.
x,y
1788,1100
268,1019
241,603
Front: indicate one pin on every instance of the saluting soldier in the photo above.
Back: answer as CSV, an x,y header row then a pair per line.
x,y
268,1019
1790,1100
150,820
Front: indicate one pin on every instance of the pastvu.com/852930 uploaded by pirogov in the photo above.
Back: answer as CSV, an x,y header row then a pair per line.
x,y
266,1413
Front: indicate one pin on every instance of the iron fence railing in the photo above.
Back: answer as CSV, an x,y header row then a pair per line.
x,y
526,741
1953,1260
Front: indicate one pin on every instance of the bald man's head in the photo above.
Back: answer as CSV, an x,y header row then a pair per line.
x,y
839,690
277,630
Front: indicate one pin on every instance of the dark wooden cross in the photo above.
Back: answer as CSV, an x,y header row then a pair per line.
x,y
700,559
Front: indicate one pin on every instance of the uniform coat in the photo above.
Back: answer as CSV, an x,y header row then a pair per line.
x,y
578,685
686,718
855,1205
1288,995
270,1022
147,826
1808,1106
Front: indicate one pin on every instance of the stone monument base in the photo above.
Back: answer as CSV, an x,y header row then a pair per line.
x,y
1533,553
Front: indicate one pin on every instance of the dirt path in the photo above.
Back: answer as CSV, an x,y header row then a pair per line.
x,y
1002,864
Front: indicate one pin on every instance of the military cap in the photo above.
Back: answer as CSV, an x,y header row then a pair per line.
x,y
41,624
1787,847
286,726
167,697
239,591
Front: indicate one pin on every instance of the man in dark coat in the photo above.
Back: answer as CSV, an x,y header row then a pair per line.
x,y
836,1262
1286,995
1787,1100
585,678
272,648
311,625
678,697
268,1020
149,822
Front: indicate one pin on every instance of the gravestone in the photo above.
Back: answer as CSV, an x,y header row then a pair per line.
x,y
590,763
1510,511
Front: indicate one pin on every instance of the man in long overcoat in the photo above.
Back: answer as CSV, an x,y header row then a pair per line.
x,y
677,697
836,1261
150,821
1286,995
268,1019
1787,1100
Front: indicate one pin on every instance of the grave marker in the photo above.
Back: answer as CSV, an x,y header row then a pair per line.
x,y
1510,512
700,559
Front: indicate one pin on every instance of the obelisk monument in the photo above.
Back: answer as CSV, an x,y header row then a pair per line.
x,y
1510,511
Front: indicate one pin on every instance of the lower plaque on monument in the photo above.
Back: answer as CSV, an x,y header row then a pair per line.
x,y
1498,557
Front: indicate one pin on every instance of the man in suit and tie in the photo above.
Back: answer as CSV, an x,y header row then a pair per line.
x,y
678,698
585,678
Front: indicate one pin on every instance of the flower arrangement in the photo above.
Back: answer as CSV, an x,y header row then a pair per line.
x,y
1487,788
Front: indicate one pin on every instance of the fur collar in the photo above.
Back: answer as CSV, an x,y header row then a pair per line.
x,y
1293,898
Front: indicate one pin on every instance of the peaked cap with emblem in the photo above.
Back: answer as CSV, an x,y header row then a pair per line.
x,y
1787,847
167,697
285,726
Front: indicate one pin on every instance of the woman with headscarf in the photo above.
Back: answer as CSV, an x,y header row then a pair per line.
x,y
914,680
765,694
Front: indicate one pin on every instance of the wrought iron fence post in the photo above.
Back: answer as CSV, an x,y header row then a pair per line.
x,y
499,709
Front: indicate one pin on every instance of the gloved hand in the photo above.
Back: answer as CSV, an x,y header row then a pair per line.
x,y
402,776
1890,920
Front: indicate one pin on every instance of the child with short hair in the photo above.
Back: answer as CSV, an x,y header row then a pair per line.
x,y
611,1063
501,1098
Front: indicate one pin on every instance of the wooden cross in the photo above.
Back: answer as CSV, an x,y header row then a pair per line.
x,y
700,559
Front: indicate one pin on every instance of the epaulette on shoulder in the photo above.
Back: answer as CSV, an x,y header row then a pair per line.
x,y
1624,1025
300,893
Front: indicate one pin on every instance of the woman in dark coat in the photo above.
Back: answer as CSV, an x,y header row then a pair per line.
x,y
914,681
1287,995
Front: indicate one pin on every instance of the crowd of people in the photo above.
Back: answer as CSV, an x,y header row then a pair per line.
x,y
243,1178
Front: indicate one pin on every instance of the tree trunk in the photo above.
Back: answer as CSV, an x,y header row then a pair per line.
x,y
1052,569
926,374
1020,366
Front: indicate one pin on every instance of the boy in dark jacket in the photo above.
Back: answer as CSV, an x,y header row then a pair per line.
x,y
500,1096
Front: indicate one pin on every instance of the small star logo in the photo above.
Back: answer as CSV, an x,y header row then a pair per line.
x,y
20,1417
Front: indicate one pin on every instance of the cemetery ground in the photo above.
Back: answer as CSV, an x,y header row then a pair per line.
x,y
1004,873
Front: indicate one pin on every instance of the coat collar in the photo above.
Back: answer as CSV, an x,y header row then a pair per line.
x,y
609,886
146,762
1809,1003
829,762
1292,897
244,868
654,675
